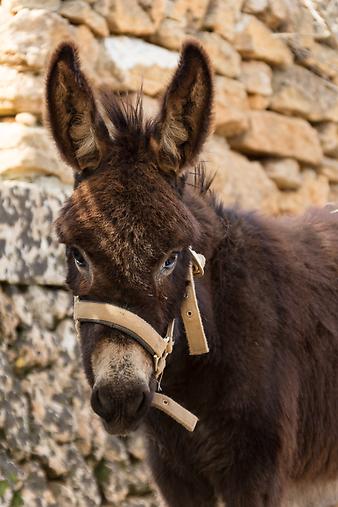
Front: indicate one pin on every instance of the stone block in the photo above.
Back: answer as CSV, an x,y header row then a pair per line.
x,y
329,168
255,6
254,40
20,92
26,152
333,196
192,12
231,106
221,17
79,12
102,7
225,59
170,34
256,77
29,251
35,488
135,18
258,102
237,180
297,91
320,59
313,192
139,63
328,136
27,38
273,134
284,172
275,14
14,6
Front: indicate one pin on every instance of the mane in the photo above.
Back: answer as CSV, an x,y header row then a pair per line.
x,y
200,180
125,120
130,130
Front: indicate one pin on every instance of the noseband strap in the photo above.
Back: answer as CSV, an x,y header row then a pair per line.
x,y
125,321
159,347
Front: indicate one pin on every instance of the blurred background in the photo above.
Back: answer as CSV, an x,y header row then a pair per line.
x,y
274,148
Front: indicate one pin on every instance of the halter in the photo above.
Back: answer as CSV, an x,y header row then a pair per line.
x,y
159,347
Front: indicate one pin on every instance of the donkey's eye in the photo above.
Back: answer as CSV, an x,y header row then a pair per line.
x,y
169,263
80,261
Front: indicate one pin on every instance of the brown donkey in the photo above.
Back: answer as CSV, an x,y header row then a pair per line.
x,y
266,395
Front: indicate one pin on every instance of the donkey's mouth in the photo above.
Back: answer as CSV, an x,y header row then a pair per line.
x,y
120,429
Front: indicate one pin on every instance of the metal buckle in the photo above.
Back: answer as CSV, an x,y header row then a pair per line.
x,y
198,263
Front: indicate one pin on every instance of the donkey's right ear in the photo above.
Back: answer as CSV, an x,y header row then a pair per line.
x,y
76,124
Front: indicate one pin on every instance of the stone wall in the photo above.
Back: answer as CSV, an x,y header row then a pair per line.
x,y
275,148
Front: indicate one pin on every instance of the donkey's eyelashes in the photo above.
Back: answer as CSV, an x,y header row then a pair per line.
x,y
79,258
169,264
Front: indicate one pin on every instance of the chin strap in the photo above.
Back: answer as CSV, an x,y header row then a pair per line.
x,y
141,331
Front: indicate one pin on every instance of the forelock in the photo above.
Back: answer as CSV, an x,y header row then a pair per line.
x,y
129,222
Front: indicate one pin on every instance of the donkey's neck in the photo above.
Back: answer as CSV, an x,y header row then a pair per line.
x,y
183,370
210,223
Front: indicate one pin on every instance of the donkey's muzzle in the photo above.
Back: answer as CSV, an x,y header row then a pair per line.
x,y
121,412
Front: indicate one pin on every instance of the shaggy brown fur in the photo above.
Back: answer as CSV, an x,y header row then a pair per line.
x,y
267,393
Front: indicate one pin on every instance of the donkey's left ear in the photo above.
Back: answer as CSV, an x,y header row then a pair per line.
x,y
184,120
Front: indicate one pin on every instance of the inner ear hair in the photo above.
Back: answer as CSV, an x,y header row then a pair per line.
x,y
185,116
77,127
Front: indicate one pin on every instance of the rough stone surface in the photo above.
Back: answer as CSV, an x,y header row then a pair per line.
x,y
80,12
255,6
238,181
313,192
135,18
46,422
297,91
192,12
39,29
20,91
29,251
27,151
254,40
258,102
221,17
273,134
231,107
328,136
333,194
170,34
141,64
275,14
256,77
26,119
329,168
224,57
321,59
284,172
14,6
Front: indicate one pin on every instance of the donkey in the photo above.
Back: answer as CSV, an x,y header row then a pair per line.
x,y
266,394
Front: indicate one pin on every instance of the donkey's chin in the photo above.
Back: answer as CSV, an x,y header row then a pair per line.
x,y
120,429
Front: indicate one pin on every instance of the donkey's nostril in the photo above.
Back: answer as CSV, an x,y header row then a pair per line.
x,y
135,402
131,404
100,402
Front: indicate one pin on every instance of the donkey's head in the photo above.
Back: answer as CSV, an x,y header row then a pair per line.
x,y
126,227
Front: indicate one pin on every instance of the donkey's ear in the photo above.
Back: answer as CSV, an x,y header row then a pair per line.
x,y
77,126
185,117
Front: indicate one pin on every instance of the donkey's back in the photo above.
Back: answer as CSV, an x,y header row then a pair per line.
x,y
289,271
